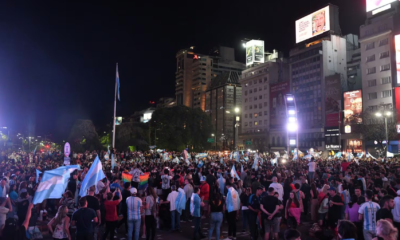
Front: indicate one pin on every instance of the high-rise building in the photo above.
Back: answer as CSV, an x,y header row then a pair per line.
x,y
222,104
196,70
256,82
380,70
318,69
354,76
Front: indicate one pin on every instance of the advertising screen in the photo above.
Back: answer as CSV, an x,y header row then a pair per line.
x,y
277,104
254,52
374,4
332,100
397,100
313,25
397,47
352,107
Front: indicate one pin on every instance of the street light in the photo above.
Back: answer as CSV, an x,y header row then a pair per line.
x,y
236,110
215,140
385,115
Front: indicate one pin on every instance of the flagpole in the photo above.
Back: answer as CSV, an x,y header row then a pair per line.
x,y
115,108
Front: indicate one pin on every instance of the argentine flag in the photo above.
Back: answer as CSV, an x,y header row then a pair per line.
x,y
338,154
180,201
37,175
117,82
255,164
237,156
53,184
221,184
234,173
94,175
113,163
232,200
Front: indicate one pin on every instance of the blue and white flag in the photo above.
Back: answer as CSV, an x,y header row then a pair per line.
x,y
94,175
180,202
113,162
37,175
230,157
234,173
255,164
349,157
237,156
221,184
241,168
201,155
232,200
359,155
338,155
221,160
34,151
53,184
369,155
246,159
117,82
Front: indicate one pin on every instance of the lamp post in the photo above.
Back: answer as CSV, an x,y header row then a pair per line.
x,y
385,115
215,140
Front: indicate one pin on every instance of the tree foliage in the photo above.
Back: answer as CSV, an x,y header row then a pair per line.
x,y
83,136
180,127
131,134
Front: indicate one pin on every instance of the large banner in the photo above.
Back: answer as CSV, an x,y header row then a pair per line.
x,y
277,104
332,100
254,52
312,25
397,47
397,100
374,4
353,107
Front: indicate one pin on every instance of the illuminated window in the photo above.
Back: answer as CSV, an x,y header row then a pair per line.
x,y
255,115
255,123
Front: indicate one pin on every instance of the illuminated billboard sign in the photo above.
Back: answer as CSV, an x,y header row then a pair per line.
x,y
352,107
254,52
312,25
374,4
397,47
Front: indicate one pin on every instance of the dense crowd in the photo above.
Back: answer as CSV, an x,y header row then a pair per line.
x,y
357,199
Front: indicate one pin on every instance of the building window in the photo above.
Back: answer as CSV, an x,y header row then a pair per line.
x,y
260,123
245,100
245,107
246,124
250,124
265,87
260,105
259,80
250,83
260,97
385,54
255,82
260,114
245,93
387,93
245,116
371,58
370,46
371,70
255,90
265,104
386,80
255,115
384,42
255,98
251,116
265,113
251,107
385,67
255,106
372,83
265,79
250,99
372,96
255,123
250,91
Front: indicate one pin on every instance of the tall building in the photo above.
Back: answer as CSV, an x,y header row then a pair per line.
x,y
196,70
256,82
380,73
223,97
377,39
318,69
166,103
354,75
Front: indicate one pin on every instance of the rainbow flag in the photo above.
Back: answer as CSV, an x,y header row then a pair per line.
x,y
126,177
144,180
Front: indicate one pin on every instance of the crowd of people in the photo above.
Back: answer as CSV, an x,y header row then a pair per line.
x,y
357,199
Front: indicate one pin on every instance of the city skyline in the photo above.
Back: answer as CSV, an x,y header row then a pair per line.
x,y
58,60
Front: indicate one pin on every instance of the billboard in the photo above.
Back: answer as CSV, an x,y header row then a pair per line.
x,y
374,4
397,101
254,52
354,144
397,48
332,100
312,25
352,107
277,106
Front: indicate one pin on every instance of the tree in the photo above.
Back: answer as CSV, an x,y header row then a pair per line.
x,y
373,129
180,127
83,136
131,134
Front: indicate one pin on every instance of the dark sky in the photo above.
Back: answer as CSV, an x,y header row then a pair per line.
x,y
57,58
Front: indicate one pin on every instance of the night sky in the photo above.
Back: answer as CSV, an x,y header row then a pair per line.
x,y
57,58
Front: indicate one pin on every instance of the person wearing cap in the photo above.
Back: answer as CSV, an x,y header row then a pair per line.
x,y
134,205
335,208
396,211
204,194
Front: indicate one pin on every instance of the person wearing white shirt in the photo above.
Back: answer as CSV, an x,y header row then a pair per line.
x,y
396,211
175,216
311,169
277,187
